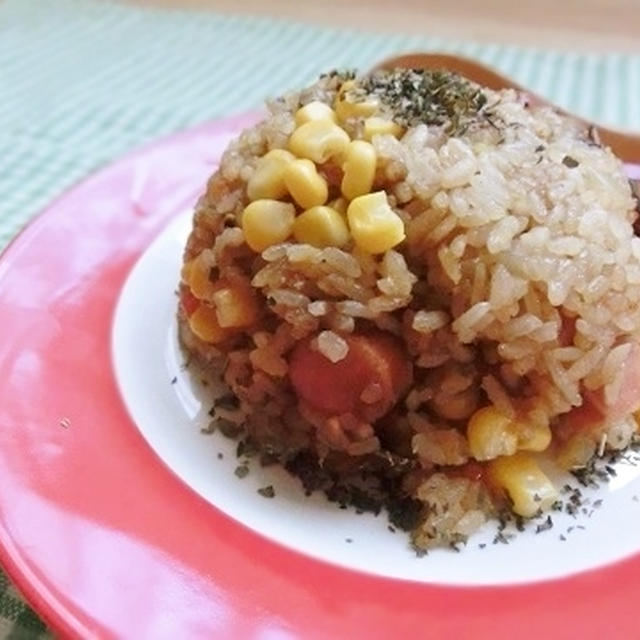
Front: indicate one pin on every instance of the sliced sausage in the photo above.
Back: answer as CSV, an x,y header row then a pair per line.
x,y
367,382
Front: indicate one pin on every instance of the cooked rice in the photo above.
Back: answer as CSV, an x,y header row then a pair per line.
x,y
518,286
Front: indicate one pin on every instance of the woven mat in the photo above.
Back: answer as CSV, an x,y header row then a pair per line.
x,y
82,81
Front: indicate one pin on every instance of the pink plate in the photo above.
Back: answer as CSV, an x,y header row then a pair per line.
x,y
106,542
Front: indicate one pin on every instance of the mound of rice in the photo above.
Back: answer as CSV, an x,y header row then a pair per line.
x,y
505,319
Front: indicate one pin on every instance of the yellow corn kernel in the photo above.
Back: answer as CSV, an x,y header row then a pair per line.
x,y
380,126
528,487
359,169
198,278
490,434
346,108
185,272
306,186
267,179
235,307
319,140
321,227
374,225
533,437
204,323
340,205
267,222
315,111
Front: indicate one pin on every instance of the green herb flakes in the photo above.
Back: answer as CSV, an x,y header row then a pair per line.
x,y
242,471
267,492
420,96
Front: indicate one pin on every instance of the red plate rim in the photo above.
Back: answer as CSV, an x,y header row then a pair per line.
x,y
104,541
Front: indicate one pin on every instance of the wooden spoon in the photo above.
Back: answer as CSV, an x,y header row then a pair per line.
x,y
624,145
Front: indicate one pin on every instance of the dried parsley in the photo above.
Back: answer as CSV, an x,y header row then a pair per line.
x,y
267,492
421,96
242,471
502,538
545,526
210,428
570,162
229,429
228,402
404,513
342,75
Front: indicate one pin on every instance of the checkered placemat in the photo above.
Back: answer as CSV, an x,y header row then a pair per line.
x,y
83,81
17,620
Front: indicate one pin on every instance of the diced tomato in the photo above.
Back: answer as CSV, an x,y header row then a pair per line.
x,y
188,301
473,470
587,417
567,331
332,173
628,400
367,382
595,412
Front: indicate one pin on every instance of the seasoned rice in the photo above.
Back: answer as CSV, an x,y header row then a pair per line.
x,y
516,289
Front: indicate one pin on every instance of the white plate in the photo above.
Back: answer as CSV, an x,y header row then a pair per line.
x,y
170,416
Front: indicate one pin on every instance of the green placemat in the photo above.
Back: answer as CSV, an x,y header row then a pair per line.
x,y
81,82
